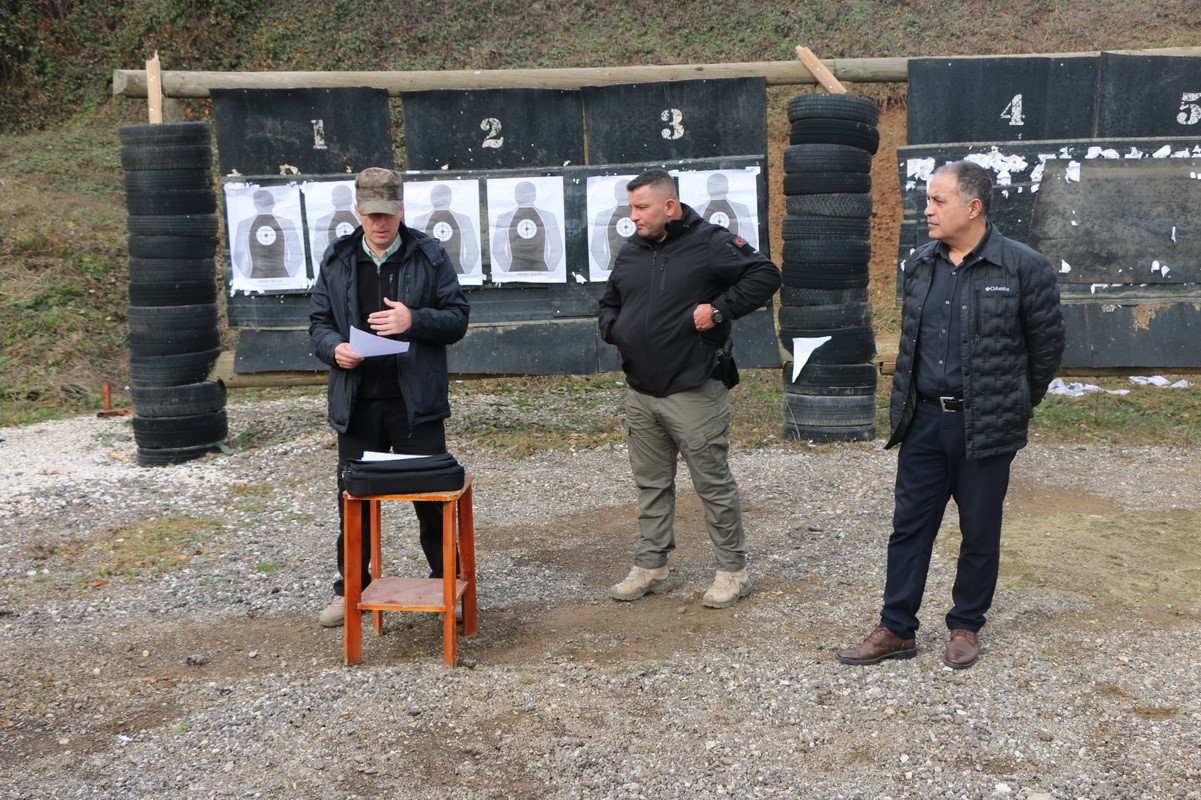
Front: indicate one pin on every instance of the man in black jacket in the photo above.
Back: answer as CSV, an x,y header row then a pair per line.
x,y
676,285
981,337
390,280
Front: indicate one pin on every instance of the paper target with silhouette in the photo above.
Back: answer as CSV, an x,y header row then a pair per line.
x,y
609,223
329,211
266,252
725,197
450,212
525,216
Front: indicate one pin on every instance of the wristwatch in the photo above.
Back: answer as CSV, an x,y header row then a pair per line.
x,y
717,317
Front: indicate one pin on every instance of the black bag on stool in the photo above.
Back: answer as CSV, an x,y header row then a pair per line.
x,y
440,473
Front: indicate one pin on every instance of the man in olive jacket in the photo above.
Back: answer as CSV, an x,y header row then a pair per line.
x,y
676,285
390,280
981,337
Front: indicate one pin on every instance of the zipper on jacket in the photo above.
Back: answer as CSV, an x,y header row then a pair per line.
x,y
663,275
976,317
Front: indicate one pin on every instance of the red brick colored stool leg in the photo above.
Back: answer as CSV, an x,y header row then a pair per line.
x,y
467,561
352,549
449,574
377,538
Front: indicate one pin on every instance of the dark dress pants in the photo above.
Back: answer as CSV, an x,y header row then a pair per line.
x,y
383,425
931,469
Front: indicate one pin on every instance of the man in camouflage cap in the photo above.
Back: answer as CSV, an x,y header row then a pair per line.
x,y
393,281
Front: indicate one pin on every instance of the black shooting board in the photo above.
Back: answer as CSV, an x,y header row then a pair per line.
x,y
1149,95
639,123
996,99
1118,219
302,131
492,129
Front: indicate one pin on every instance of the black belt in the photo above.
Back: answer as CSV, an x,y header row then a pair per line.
x,y
945,403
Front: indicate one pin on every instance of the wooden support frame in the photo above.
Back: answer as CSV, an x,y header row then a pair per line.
x,y
181,84
154,89
819,71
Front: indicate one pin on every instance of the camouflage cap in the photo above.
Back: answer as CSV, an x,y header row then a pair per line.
x,y
377,191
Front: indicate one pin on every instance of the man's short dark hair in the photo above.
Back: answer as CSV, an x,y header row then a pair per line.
x,y
972,182
659,178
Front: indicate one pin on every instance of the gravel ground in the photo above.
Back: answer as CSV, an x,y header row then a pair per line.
x,y
199,671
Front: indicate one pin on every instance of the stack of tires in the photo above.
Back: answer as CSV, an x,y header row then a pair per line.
x,y
827,188
173,333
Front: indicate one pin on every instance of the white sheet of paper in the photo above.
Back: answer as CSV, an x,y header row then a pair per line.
x,y
375,455
801,350
368,344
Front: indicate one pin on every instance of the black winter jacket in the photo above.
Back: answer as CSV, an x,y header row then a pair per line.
x,y
654,288
428,286
1013,339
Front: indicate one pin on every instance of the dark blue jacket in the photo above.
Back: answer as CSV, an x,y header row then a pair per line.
x,y
428,286
1012,341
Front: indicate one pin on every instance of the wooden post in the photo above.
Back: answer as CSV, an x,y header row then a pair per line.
x,y
177,84
820,73
154,89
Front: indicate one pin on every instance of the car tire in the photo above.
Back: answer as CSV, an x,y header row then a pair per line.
x,y
824,276
815,226
186,431
800,158
173,225
171,202
836,204
178,401
852,345
834,315
172,293
172,247
835,131
152,181
173,341
168,456
828,435
805,296
827,251
165,133
166,157
157,318
833,106
174,370
827,183
160,270
832,379
830,411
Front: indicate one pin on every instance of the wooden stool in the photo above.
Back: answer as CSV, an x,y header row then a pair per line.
x,y
410,594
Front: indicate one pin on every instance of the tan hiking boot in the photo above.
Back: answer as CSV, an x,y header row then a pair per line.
x,y
333,615
641,582
727,589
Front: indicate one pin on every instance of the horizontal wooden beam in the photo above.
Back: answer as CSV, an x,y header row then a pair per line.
x,y
181,84
132,83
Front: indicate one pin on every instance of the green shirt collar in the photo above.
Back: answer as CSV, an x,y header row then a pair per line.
x,y
392,248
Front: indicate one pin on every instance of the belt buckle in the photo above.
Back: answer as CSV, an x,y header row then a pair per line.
x,y
956,404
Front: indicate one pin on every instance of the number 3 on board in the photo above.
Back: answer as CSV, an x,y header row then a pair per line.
x,y
673,117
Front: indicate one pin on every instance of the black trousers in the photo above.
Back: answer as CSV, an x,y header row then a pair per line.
x,y
383,425
931,469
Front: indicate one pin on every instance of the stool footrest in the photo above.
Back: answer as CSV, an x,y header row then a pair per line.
x,y
408,594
